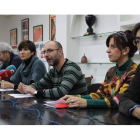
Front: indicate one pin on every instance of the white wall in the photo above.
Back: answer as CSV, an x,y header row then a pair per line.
x,y
34,20
68,26
61,31
4,32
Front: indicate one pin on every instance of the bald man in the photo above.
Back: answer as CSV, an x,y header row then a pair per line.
x,y
64,78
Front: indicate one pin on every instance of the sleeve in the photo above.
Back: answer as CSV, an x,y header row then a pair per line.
x,y
131,96
16,78
70,77
113,100
38,71
102,100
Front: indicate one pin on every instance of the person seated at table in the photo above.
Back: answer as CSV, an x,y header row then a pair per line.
x,y
64,78
130,101
7,57
31,70
117,79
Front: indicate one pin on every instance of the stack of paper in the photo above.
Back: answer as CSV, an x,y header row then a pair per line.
x,y
21,95
57,104
6,89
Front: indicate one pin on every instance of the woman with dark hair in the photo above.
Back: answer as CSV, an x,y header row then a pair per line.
x,y
31,69
117,79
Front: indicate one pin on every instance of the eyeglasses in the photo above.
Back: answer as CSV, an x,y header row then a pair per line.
x,y
136,41
122,34
49,51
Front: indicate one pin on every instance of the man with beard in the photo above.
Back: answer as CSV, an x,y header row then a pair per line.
x,y
64,78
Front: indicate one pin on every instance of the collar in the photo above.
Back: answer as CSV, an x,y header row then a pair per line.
x,y
122,69
62,66
124,66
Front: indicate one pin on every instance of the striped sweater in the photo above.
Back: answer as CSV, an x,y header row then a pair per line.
x,y
70,80
116,82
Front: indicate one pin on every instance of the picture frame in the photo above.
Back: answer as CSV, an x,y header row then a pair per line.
x,y
38,33
13,37
52,27
25,29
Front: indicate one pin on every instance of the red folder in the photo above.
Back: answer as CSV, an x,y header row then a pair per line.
x,y
57,104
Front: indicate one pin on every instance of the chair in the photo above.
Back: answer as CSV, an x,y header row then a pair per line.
x,y
93,87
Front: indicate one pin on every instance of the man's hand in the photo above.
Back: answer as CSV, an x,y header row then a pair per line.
x,y
21,87
136,112
29,89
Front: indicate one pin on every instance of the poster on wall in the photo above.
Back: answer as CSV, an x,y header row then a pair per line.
x,y
38,33
40,54
25,29
13,37
52,30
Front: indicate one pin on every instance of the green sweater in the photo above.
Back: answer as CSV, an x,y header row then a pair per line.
x,y
116,82
70,80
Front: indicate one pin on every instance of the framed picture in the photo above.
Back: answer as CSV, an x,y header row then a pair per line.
x,y
52,30
38,33
25,29
13,37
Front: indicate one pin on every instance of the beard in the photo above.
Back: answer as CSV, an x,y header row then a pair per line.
x,y
55,61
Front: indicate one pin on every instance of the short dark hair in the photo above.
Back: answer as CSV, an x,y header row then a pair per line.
x,y
29,44
58,44
121,43
135,29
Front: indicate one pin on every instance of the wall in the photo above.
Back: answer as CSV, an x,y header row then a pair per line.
x,y
67,27
4,32
94,47
34,20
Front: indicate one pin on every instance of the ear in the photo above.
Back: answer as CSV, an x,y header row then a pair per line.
x,y
60,51
32,53
126,51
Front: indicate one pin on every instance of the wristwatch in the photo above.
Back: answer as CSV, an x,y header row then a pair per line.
x,y
35,92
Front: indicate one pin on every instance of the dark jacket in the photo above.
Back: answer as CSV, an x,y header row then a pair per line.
x,y
14,60
32,73
131,96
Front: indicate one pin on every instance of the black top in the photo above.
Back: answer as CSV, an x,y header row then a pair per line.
x,y
14,60
131,96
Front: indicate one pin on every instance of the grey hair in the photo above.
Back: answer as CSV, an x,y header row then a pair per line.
x,y
5,47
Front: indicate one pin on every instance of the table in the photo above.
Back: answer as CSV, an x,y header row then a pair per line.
x,y
12,112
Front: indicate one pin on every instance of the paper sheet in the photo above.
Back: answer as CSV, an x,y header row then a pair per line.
x,y
21,95
7,89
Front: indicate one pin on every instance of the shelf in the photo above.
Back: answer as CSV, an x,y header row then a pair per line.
x,y
95,35
129,23
95,63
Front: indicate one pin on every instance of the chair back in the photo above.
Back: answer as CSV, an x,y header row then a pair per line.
x,y
93,87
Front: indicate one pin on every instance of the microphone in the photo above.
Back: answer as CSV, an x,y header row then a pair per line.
x,y
12,68
5,75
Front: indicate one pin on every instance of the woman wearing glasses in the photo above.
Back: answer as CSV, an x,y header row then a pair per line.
x,y
31,70
120,50
130,101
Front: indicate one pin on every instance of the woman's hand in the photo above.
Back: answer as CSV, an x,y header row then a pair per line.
x,y
5,84
66,97
76,101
